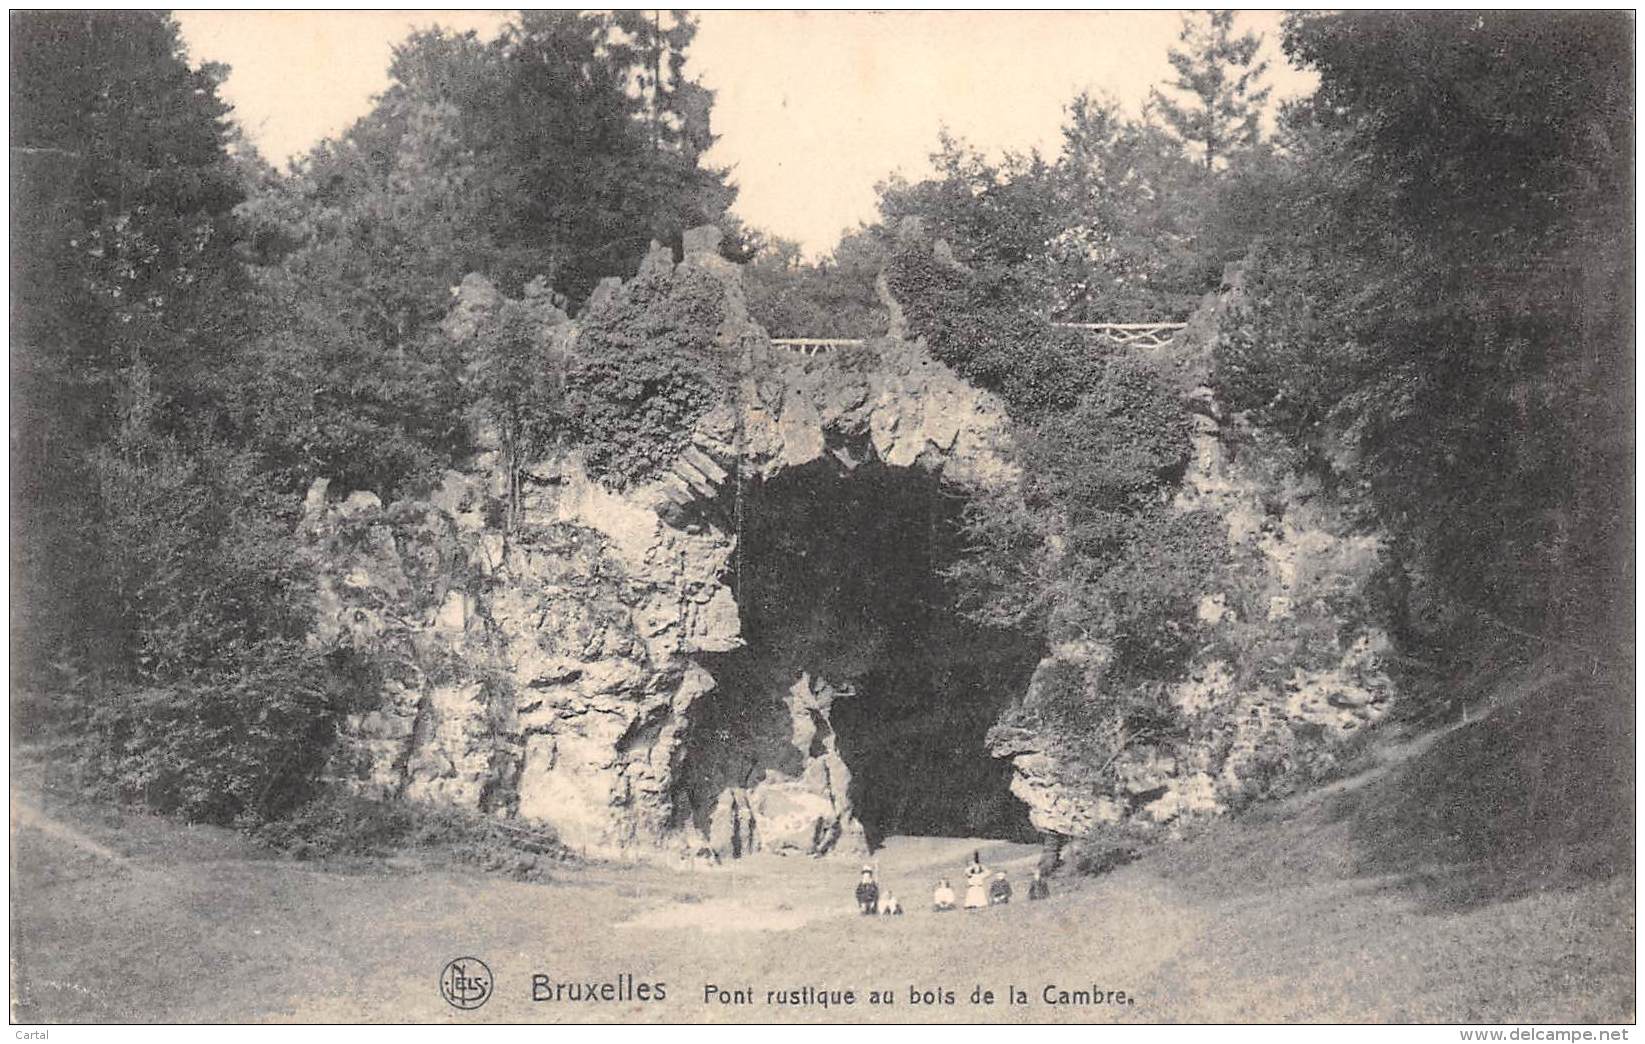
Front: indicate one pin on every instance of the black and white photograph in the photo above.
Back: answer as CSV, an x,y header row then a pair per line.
x,y
664,518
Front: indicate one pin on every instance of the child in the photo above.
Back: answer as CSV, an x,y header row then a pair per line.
x,y
999,893
889,906
868,893
943,898
1038,889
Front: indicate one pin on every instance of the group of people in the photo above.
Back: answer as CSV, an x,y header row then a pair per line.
x,y
980,891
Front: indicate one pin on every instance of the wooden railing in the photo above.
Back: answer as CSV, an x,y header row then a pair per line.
x,y
816,345
1140,335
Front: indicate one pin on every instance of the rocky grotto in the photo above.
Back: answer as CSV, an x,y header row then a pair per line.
x,y
852,648
754,652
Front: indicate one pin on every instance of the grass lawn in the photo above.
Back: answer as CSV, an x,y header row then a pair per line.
x,y
1381,899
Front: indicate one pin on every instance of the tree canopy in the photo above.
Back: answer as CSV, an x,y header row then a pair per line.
x,y
123,275
1443,311
558,151
197,336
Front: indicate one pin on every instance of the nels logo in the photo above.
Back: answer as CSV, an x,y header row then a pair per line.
x,y
465,983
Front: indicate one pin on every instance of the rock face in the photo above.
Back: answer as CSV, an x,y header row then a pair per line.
x,y
804,810
1289,668
542,640
546,648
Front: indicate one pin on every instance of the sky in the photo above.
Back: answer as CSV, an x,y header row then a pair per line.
x,y
813,108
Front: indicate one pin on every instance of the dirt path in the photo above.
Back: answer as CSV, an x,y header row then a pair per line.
x,y
26,815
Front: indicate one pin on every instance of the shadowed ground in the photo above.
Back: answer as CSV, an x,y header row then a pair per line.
x,y
1419,890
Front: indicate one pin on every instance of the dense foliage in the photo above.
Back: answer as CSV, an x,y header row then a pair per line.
x,y
1441,314
197,336
1431,327
1104,440
1108,231
551,157
165,604
123,285
833,297
646,370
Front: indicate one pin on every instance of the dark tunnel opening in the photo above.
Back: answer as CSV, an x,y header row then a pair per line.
x,y
839,576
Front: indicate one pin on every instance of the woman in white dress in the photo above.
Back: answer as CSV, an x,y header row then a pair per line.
x,y
976,884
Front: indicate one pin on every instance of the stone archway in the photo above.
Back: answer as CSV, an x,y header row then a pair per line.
x,y
859,705
564,670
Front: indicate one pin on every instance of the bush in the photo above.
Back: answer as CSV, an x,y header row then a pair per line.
x,y
221,746
1107,849
1093,859
207,701
338,824
831,298
647,369
1151,591
976,325
1125,439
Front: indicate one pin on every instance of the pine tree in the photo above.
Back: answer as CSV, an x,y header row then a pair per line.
x,y
1219,73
